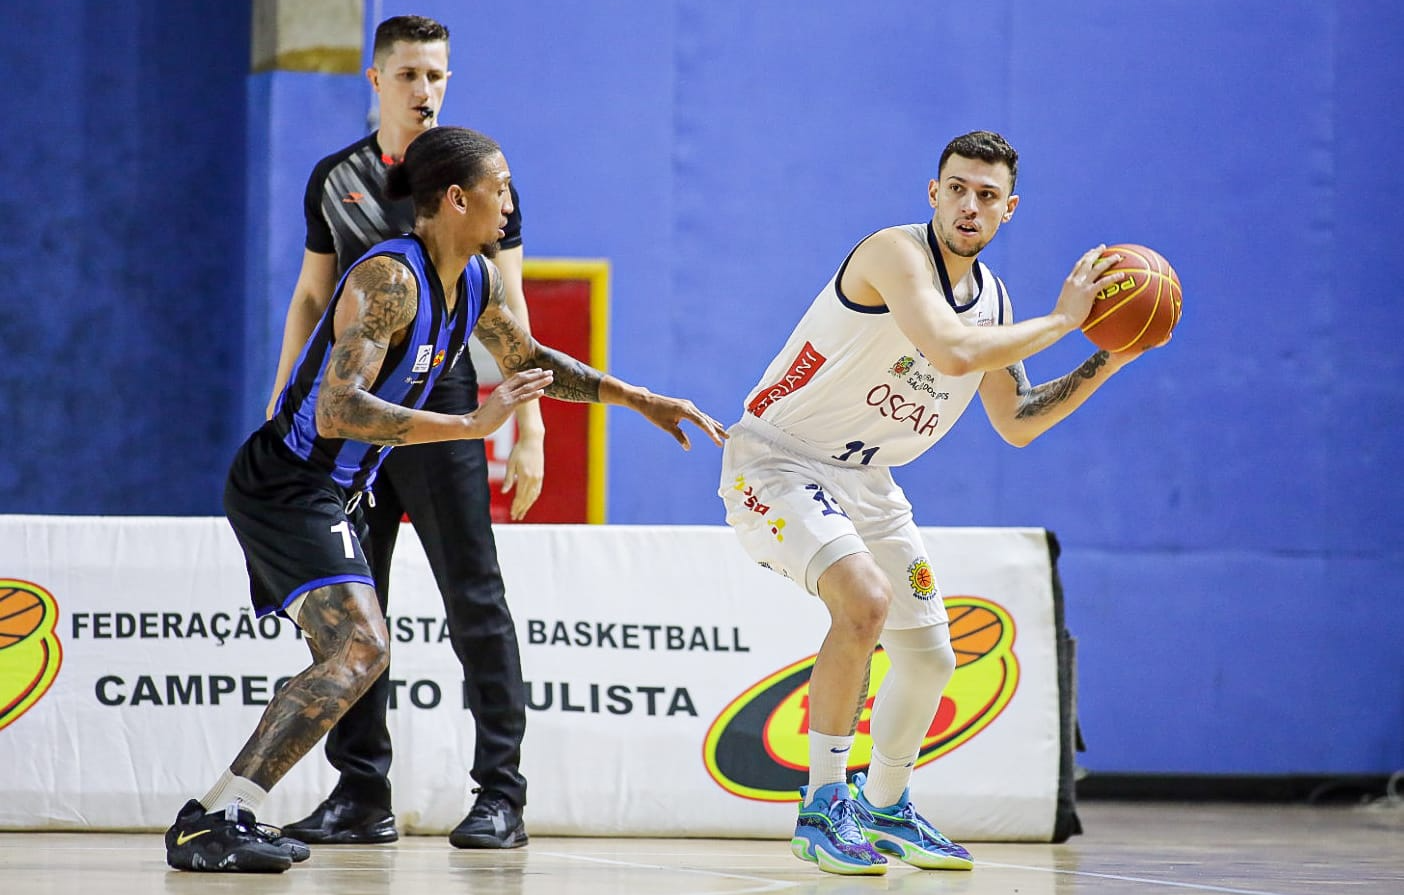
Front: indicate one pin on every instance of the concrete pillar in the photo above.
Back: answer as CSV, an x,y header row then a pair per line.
x,y
308,35
307,98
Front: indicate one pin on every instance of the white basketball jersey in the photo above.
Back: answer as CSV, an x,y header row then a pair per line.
x,y
849,387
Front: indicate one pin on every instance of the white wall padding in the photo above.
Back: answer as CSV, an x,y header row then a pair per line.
x,y
667,681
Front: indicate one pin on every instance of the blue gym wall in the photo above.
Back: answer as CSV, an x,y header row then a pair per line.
x,y
1228,506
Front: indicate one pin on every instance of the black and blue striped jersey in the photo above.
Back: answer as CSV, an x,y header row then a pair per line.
x,y
433,344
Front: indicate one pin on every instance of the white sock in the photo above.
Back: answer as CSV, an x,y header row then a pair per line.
x,y
230,789
828,761
888,778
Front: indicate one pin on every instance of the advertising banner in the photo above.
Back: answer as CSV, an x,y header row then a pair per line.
x,y
667,681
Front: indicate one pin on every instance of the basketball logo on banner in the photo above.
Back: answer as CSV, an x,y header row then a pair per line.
x,y
30,654
757,748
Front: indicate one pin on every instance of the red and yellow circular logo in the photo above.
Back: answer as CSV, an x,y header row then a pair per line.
x,y
921,579
757,748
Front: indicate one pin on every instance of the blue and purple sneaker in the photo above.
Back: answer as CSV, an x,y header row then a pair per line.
x,y
899,830
830,833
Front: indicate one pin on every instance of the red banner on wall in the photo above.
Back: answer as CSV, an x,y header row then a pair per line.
x,y
568,301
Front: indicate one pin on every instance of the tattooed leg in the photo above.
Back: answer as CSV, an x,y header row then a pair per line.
x,y
862,696
350,646
857,595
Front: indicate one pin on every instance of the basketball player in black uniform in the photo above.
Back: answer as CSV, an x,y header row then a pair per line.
x,y
397,322
443,487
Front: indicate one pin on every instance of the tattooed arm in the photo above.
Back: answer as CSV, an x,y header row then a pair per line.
x,y
377,305
514,349
1020,412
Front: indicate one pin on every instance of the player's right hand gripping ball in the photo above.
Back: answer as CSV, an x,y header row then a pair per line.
x,y
1141,307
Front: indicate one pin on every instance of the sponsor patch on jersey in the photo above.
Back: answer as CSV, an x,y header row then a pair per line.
x,y
423,357
439,358
805,365
902,366
921,578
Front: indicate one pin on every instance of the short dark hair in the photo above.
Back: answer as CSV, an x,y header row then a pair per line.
x,y
987,146
414,29
437,159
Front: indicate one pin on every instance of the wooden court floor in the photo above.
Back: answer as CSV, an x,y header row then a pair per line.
x,y
1131,848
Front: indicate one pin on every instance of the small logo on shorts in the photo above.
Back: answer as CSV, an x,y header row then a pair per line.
x,y
768,567
753,503
903,366
920,577
777,528
423,357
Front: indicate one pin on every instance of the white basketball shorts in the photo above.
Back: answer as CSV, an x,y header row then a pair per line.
x,y
797,516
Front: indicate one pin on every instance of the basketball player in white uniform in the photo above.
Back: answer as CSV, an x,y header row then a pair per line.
x,y
882,365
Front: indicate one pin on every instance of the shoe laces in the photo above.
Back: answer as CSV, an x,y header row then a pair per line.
x,y
268,832
489,802
909,815
848,816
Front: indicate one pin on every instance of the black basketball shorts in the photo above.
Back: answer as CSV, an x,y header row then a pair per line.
x,y
292,522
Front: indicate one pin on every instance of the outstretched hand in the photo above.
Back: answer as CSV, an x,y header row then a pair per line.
x,y
668,413
528,385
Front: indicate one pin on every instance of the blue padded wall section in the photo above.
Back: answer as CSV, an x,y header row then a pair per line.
x,y
125,190
294,119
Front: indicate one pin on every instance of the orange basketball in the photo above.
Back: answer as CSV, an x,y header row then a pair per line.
x,y
21,612
1141,308
975,631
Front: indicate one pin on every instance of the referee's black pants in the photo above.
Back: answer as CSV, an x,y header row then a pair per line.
x,y
444,489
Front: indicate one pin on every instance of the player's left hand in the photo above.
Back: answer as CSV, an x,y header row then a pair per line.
x,y
526,470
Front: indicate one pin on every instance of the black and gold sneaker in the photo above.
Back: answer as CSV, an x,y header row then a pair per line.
x,y
226,841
